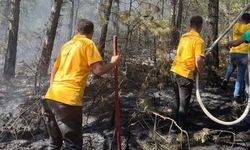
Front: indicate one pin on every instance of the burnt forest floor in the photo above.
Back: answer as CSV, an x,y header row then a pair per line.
x,y
146,98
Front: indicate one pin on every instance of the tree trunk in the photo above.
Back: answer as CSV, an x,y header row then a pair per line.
x,y
127,36
76,15
5,24
173,12
116,18
228,6
71,19
162,8
106,8
213,19
176,23
48,42
179,15
11,46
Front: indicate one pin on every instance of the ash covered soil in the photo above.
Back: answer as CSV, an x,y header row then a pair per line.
x,y
144,93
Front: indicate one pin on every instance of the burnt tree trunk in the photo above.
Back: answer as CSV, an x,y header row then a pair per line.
x,y
176,23
213,20
12,36
106,8
173,12
179,15
48,42
172,41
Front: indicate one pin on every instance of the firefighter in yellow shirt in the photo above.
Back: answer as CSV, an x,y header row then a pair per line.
x,y
63,101
189,58
237,54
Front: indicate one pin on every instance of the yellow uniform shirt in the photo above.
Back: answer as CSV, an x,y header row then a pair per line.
x,y
191,45
73,65
238,30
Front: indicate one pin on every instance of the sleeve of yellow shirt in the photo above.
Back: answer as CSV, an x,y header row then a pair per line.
x,y
199,48
93,54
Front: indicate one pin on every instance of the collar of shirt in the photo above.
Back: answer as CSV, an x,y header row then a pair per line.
x,y
193,33
79,36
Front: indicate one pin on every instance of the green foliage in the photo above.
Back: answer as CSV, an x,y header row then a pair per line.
x,y
161,60
181,138
157,27
148,23
145,104
146,18
202,135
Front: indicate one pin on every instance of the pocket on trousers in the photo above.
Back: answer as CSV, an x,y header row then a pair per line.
x,y
184,81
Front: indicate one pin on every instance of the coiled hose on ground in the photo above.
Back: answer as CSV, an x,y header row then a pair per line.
x,y
227,123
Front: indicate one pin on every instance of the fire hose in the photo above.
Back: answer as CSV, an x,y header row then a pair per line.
x,y
199,99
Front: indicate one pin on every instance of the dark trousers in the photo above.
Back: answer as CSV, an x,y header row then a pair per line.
x,y
64,125
183,91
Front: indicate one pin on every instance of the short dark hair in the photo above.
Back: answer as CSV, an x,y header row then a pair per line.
x,y
246,17
84,26
196,22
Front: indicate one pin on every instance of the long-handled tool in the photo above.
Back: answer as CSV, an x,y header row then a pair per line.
x,y
117,100
228,29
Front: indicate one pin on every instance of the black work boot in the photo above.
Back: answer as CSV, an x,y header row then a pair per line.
x,y
224,85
